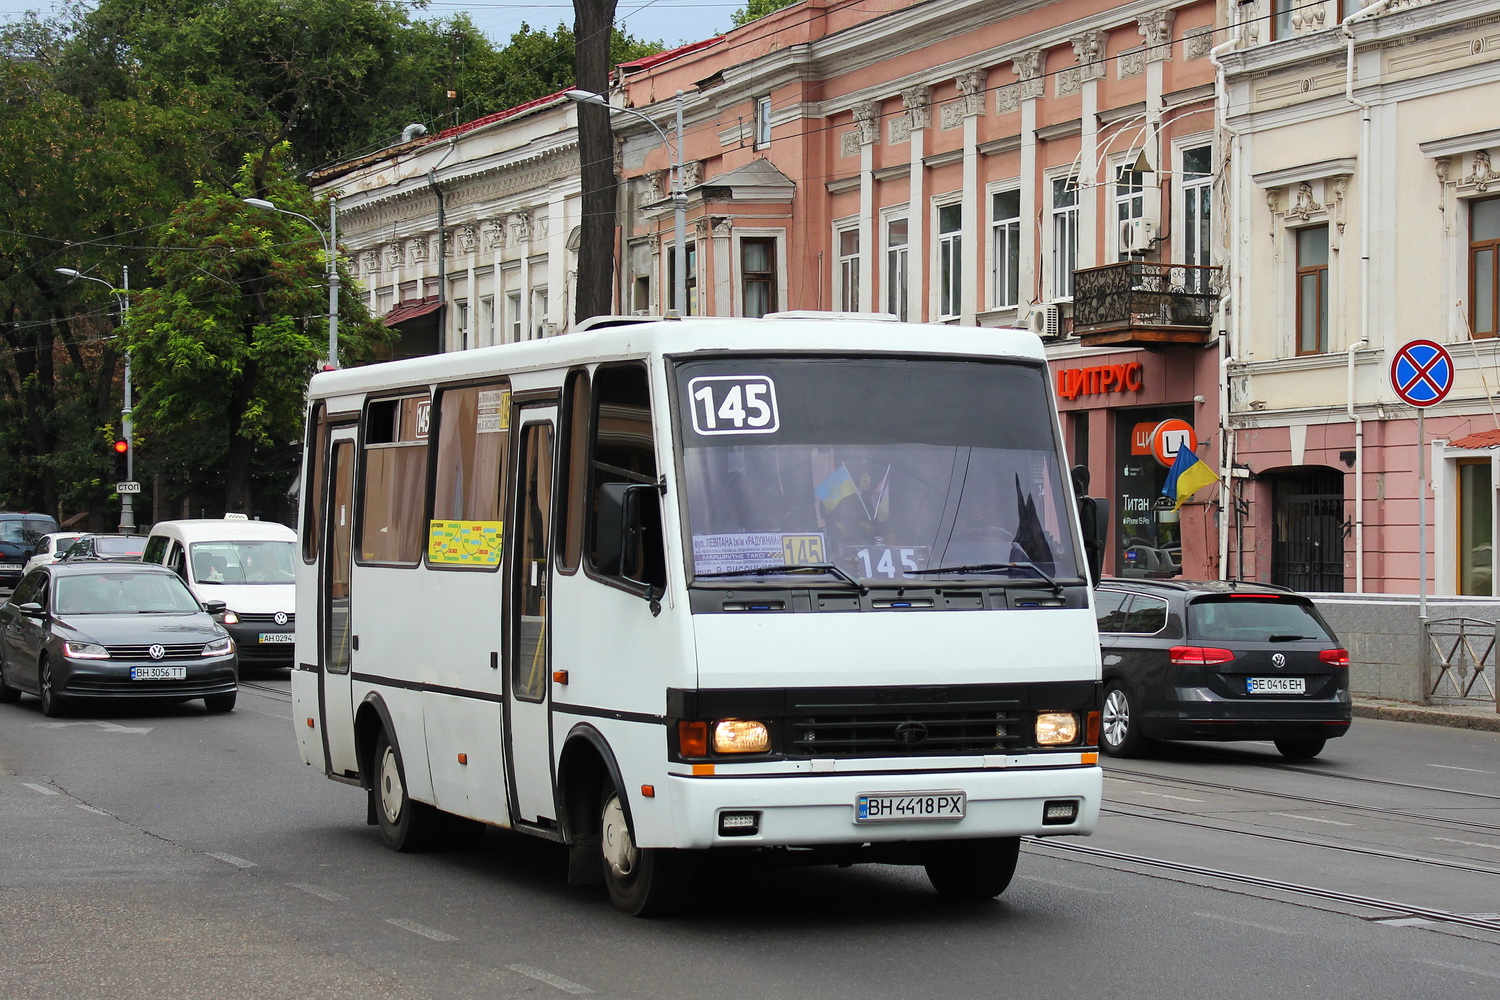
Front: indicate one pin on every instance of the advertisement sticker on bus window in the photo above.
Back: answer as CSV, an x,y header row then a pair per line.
x,y
733,551
494,411
733,404
465,543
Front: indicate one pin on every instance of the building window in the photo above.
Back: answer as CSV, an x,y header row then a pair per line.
x,y
690,283
1484,274
1197,220
848,242
461,324
1130,204
1005,246
762,122
758,275
486,321
1064,235
539,312
513,317
896,256
950,261
1312,290
1475,528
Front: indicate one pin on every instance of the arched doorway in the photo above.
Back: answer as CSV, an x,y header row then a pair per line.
x,y
1308,525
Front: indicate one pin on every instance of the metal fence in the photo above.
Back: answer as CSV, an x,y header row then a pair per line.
x,y
1458,661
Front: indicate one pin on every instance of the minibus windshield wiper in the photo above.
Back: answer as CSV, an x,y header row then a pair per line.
x,y
989,568
828,568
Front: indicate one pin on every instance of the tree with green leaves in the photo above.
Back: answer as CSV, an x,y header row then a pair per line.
x,y
755,9
225,343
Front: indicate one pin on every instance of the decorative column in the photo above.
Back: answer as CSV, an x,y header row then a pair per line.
x,y
1028,69
1089,49
971,85
867,126
1156,29
918,104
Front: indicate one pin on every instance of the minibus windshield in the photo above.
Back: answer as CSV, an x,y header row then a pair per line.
x,y
895,471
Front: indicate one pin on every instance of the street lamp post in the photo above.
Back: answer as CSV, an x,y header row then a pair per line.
x,y
330,246
679,193
127,500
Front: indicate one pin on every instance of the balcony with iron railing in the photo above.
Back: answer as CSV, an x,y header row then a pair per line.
x,y
1138,303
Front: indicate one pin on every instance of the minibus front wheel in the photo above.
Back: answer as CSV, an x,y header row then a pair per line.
x,y
972,869
642,881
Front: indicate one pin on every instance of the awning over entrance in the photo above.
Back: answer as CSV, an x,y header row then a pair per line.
x,y
413,308
1477,440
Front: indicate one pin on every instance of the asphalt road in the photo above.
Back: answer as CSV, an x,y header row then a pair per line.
x,y
153,852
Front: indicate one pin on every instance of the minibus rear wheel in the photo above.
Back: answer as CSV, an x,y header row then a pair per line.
x,y
404,825
972,869
642,881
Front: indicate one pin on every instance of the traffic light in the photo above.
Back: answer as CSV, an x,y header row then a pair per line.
x,y
122,460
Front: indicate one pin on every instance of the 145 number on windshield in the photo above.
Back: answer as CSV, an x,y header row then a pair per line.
x,y
734,404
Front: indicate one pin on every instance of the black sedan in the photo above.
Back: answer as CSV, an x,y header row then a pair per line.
x,y
113,630
1218,661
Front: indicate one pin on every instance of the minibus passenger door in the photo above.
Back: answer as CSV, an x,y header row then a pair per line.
x,y
528,701
334,607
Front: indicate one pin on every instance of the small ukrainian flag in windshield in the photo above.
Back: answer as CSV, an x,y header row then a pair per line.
x,y
833,490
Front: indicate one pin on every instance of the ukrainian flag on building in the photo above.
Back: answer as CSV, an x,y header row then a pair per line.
x,y
1187,476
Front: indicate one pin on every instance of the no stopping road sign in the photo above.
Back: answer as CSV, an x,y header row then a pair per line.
x,y
1422,373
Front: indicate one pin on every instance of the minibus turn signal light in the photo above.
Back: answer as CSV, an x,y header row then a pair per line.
x,y
692,739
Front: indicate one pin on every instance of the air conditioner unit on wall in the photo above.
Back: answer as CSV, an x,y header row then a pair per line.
x,y
1045,321
1137,235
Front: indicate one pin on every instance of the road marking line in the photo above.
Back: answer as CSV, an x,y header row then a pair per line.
x,y
566,985
1466,843
230,859
1246,923
1066,885
1174,798
91,809
416,928
1311,819
1450,767
1466,969
41,788
327,894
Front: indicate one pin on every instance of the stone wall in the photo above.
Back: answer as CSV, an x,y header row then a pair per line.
x,y
1383,633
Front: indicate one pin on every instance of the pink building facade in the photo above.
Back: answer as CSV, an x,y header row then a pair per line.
x,y
1049,166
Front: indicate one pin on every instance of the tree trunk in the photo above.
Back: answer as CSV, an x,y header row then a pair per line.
x,y
593,28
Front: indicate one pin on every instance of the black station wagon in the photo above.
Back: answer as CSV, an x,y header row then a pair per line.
x,y
1218,661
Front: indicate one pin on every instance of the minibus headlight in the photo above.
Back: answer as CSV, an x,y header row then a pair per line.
x,y
1056,729
741,736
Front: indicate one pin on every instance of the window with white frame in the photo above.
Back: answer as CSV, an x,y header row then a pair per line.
x,y
539,312
896,259
1130,205
514,317
1476,518
1484,267
1196,191
1005,249
758,289
848,283
950,260
461,324
1064,235
486,332
690,282
762,121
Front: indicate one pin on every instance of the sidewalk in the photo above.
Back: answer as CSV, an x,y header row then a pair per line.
x,y
1459,716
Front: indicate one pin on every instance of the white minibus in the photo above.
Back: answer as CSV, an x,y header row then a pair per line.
x,y
807,588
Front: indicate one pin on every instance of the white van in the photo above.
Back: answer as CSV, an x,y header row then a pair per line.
x,y
246,564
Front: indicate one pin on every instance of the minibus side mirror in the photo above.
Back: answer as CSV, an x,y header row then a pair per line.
x,y
618,549
1093,513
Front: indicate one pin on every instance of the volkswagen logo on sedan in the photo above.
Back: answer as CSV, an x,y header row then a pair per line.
x,y
157,651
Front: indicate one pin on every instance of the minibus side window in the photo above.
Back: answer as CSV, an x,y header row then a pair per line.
x,y
312,490
621,450
395,481
573,471
473,432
